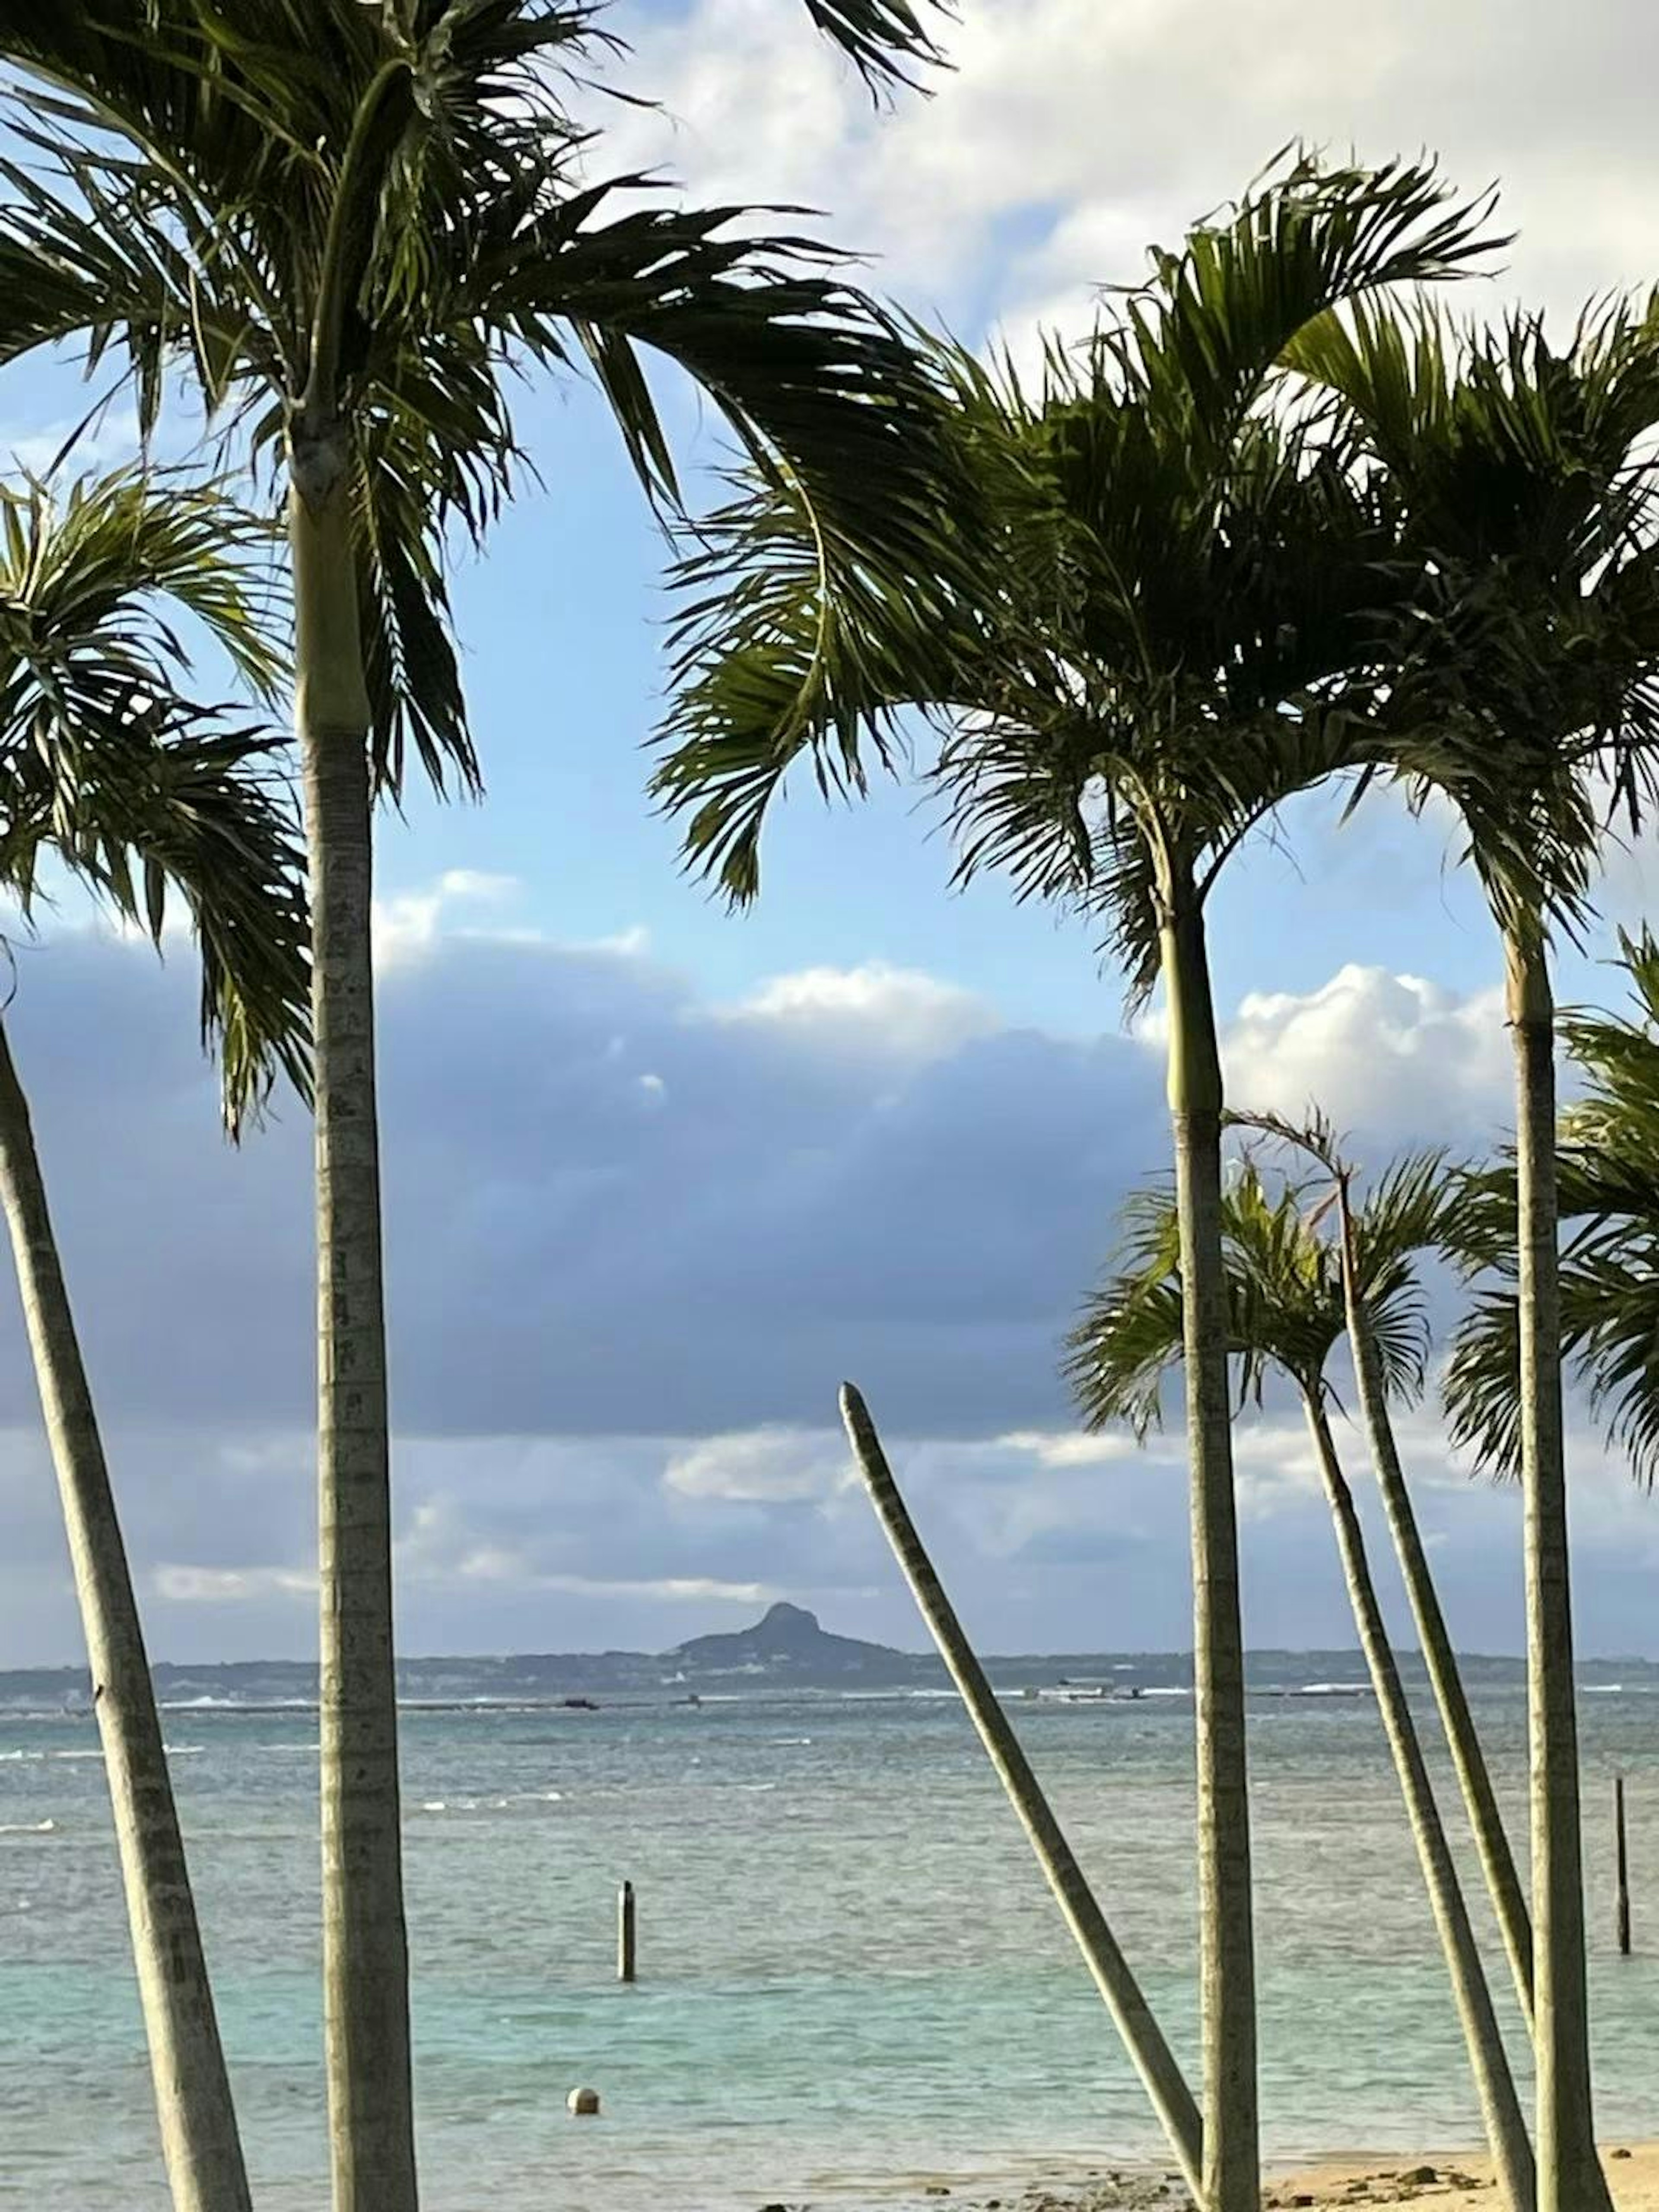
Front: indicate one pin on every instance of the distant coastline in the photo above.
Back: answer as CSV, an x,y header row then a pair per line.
x,y
786,1650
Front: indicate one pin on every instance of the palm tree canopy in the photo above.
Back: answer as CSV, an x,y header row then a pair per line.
x,y
1527,654
334,213
141,792
1607,1176
1174,574
1285,1294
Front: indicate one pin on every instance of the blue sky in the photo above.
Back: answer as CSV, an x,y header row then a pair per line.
x,y
661,1175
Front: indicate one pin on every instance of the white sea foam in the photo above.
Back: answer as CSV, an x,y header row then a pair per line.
x,y
29,1827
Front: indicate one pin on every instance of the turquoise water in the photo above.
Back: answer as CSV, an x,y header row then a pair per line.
x,y
851,1973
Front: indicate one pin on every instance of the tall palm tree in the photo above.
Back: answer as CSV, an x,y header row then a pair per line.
x,y
1409,1212
1287,1312
349,225
1519,470
106,772
1607,1178
1143,2039
1174,586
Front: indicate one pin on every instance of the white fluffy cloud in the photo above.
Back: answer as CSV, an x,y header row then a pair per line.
x,y
898,1014
1068,136
769,1465
1387,1054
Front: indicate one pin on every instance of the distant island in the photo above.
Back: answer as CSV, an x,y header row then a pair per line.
x,y
786,1650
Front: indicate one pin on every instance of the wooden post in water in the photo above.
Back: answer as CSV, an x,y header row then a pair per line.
x,y
625,1933
1623,1866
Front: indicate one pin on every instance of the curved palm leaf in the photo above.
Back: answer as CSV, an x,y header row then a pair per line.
x,y
1607,1178
144,794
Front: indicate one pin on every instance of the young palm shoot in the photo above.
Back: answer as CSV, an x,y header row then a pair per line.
x,y
144,798
348,226
1143,2039
1527,676
1286,1312
1169,605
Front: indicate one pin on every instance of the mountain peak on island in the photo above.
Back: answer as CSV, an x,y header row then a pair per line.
x,y
786,1638
787,1623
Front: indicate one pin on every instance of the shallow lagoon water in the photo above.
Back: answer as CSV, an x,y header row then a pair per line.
x,y
851,1973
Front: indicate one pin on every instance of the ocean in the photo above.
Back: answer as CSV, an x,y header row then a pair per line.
x,y
852,1980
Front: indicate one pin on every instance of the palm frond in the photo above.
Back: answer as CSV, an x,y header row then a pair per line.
x,y
885,39
1527,655
142,792
383,211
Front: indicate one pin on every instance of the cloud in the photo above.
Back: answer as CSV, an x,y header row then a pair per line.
x,y
111,438
1389,1056
774,1465
895,1013
620,1308
186,1585
1058,145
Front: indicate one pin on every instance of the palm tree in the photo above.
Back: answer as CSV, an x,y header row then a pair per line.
x,y
1173,587
1171,2099
1408,1212
1518,473
144,798
349,225
1286,1312
1607,1177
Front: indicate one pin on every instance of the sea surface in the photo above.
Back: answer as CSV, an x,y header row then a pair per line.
x,y
852,1978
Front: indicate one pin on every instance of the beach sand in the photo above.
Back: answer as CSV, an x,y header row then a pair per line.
x,y
1437,2182
1449,2183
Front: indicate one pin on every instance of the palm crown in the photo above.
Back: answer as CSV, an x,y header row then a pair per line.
x,y
1174,574
1285,1293
333,212
1526,653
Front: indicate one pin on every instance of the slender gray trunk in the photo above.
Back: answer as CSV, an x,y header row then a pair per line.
x,y
1142,2039
364,1943
199,2141
1569,2172
1500,2108
1473,1777
1232,2180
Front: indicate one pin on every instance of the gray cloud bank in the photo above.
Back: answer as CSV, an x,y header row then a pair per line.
x,y
635,1240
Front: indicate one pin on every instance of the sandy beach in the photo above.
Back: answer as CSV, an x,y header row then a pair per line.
x,y
1440,2182
1449,2184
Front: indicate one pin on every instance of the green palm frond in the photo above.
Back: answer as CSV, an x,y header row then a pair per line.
x,y
143,793
1285,1298
886,39
1608,1185
1400,1218
386,211
1152,622
1527,655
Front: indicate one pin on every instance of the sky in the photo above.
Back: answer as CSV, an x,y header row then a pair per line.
x,y
657,1177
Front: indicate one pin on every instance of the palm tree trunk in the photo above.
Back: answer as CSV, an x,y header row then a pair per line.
x,y
1569,2172
1500,2108
1231,2139
365,1942
1171,2099
1468,1759
199,2141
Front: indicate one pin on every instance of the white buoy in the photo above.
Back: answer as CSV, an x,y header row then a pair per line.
x,y
583,2104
